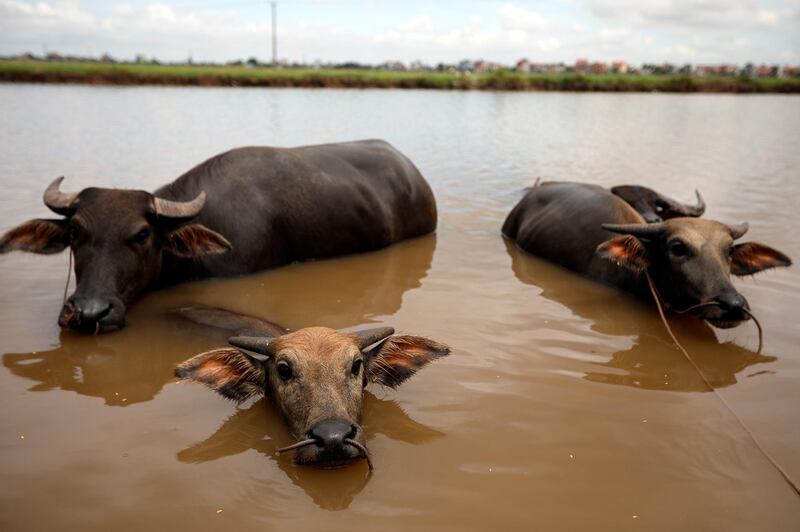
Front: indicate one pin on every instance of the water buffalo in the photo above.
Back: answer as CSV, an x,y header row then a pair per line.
x,y
316,376
651,205
655,207
245,210
689,259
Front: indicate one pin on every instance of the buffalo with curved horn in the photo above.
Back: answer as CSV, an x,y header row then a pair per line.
x,y
242,211
316,376
655,207
589,230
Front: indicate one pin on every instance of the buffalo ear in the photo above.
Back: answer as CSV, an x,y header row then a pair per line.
x,y
626,251
194,240
751,257
231,373
37,236
399,357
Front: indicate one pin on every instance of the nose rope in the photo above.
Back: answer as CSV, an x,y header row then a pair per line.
x,y
309,441
363,450
297,445
695,307
764,452
758,325
705,304
69,276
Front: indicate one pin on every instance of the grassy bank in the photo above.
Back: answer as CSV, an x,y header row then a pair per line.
x,y
232,76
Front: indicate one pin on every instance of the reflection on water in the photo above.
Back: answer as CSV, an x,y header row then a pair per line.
x,y
338,293
127,367
94,368
652,362
260,427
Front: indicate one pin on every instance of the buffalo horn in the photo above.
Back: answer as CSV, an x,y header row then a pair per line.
x,y
367,337
57,201
180,209
688,210
257,344
642,230
738,231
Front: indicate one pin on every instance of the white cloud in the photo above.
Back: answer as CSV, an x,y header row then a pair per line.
x,y
686,13
514,17
632,30
547,45
45,13
123,9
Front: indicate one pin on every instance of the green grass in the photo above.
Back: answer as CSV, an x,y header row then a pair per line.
x,y
132,74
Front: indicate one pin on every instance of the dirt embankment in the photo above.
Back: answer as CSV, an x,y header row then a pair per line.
x,y
494,81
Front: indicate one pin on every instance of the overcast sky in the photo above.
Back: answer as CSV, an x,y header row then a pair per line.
x,y
371,31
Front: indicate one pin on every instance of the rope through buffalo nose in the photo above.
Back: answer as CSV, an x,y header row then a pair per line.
x,y
363,450
770,459
716,304
695,307
348,441
294,446
758,325
69,277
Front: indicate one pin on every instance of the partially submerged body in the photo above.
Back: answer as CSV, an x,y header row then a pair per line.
x,y
316,376
239,212
690,260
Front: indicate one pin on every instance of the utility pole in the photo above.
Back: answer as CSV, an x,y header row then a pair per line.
x,y
274,34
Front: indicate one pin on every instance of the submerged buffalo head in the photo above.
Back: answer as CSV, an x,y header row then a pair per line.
x,y
691,261
316,376
118,239
655,207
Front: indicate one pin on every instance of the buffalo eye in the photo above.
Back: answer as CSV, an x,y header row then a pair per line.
x,y
74,232
142,236
679,249
356,368
731,251
284,371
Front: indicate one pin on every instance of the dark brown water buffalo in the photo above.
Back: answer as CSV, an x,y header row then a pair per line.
x,y
316,376
589,230
244,210
655,207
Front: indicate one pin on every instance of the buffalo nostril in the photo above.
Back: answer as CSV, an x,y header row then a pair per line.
x,y
96,311
732,303
87,313
331,433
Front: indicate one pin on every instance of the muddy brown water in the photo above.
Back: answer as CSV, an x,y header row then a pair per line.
x,y
563,405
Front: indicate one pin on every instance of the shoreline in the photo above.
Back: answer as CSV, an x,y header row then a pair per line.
x,y
131,74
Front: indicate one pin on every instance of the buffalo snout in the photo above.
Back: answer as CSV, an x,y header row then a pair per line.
x,y
333,444
725,310
733,306
92,314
